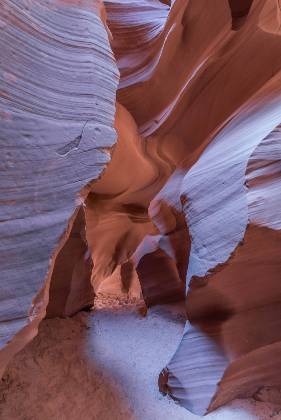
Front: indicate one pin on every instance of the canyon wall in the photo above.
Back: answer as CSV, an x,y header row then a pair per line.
x,y
57,107
165,184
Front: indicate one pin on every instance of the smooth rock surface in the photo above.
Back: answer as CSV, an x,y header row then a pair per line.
x,y
58,81
202,81
188,207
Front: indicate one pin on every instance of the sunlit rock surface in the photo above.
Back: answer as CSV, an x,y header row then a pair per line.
x,y
188,206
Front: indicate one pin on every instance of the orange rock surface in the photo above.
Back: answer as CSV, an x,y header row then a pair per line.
x,y
166,186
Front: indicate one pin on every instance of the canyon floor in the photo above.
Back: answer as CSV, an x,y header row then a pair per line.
x,y
104,365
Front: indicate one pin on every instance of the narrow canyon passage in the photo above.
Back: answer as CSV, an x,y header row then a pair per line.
x,y
140,196
103,365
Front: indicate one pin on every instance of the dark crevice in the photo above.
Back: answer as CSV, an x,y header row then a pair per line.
x,y
239,12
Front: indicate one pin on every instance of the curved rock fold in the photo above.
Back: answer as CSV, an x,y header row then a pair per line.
x,y
166,186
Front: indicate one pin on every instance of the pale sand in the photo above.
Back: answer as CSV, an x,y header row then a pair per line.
x,y
104,365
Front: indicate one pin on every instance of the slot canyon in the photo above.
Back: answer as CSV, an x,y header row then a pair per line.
x,y
140,209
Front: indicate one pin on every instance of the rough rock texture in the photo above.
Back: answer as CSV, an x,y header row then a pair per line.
x,y
188,207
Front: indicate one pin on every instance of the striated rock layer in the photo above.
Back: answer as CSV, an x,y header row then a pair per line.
x,y
188,205
202,81
57,96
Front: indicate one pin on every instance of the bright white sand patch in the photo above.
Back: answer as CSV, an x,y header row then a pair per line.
x,y
104,365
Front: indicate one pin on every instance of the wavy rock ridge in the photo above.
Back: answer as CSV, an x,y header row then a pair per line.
x,y
171,178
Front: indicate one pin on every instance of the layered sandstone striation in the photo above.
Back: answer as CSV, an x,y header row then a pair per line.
x,y
57,106
166,187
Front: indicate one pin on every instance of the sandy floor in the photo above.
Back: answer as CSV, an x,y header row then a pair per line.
x,y
104,365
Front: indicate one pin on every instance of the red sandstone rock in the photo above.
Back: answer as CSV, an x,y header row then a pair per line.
x,y
190,196
57,104
216,123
